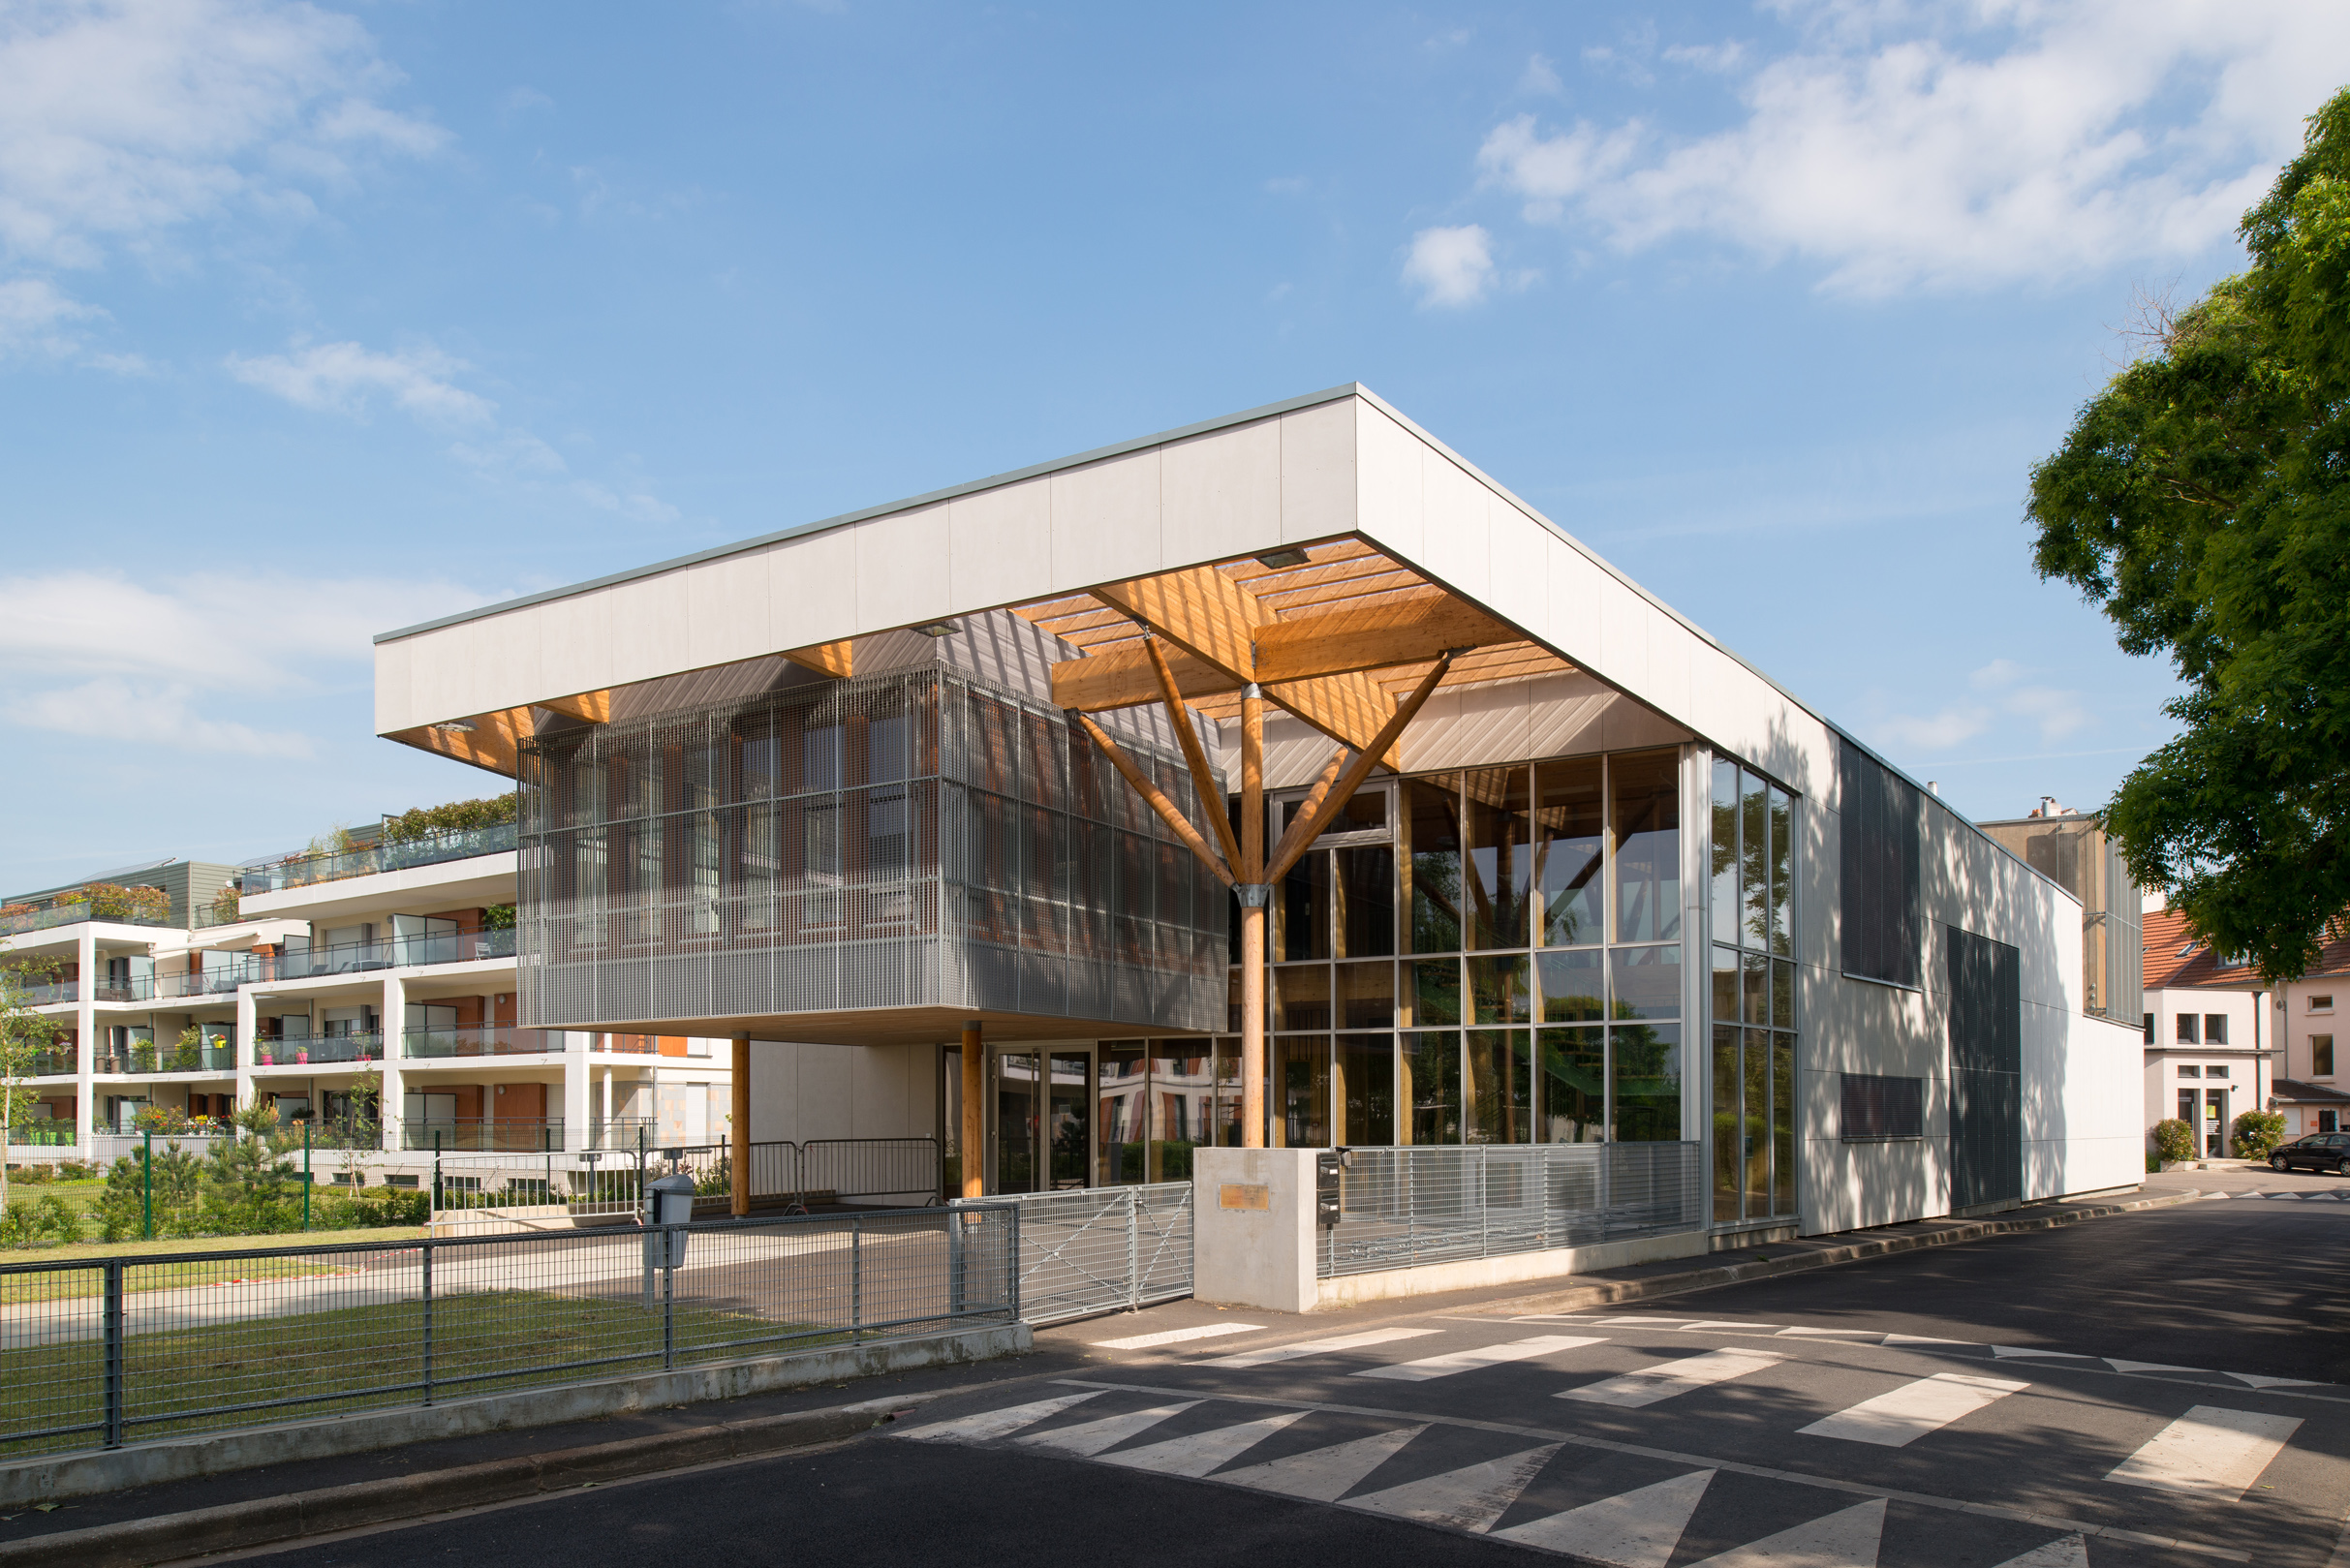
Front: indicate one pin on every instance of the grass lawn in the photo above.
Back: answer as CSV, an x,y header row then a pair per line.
x,y
82,1195
360,1358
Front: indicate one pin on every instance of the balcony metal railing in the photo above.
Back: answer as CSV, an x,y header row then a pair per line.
x,y
504,1040
42,1135
313,1049
49,993
393,952
62,1064
71,914
503,1135
308,870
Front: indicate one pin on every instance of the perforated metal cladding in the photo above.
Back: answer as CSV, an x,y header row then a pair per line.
x,y
909,840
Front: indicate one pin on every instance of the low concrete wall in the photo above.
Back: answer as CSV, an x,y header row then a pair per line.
x,y
138,1464
1508,1269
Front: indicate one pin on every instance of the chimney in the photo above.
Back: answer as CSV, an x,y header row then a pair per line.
x,y
1934,787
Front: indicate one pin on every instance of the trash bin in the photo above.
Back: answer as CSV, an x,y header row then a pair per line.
x,y
669,1200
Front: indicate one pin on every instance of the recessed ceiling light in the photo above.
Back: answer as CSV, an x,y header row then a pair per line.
x,y
937,629
455,727
1277,559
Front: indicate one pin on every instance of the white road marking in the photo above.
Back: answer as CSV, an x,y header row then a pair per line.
x,y
1901,1416
1635,1529
2207,1451
1204,1450
1843,1539
2013,1352
1922,1339
1325,1474
1171,1337
1650,1322
1470,1499
989,1424
2257,1380
1647,1386
1701,1328
2150,1366
1469,1361
1093,1436
2065,1551
1316,1347
1830,1333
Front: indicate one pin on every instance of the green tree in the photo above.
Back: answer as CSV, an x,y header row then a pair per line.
x,y
2257,1133
2203,500
250,1187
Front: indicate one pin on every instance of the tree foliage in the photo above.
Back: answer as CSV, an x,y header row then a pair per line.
x,y
457,816
2203,500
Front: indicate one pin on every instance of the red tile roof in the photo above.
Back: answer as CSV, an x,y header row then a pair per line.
x,y
2166,932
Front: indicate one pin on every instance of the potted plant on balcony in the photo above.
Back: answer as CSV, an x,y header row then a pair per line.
x,y
302,1055
268,1053
143,1056
189,1054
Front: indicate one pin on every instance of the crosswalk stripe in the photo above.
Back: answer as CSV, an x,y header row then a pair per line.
x,y
1316,1347
2065,1551
2260,1380
1700,1328
1470,1499
2209,1452
1922,1339
2120,1365
1901,1416
1633,1391
2019,1352
1848,1539
1325,1474
988,1424
1830,1333
1093,1436
1469,1361
1204,1450
1171,1337
1635,1529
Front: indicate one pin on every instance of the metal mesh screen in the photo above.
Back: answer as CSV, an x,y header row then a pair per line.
x,y
1400,1208
1102,1249
909,840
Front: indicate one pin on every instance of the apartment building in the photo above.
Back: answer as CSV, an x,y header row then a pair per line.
x,y
384,971
2209,1054
2312,1089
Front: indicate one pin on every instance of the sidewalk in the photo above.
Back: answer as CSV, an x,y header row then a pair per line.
x,y
667,1435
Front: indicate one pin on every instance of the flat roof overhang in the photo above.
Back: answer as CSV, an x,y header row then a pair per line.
x,y
893,1026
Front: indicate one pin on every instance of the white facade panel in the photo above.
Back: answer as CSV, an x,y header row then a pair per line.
x,y
1106,522
1220,494
649,633
811,589
1390,506
725,611
1318,478
1001,544
575,637
1517,576
901,569
1455,549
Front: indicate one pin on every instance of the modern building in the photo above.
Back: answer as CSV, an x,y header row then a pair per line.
x,y
2074,852
385,967
1279,780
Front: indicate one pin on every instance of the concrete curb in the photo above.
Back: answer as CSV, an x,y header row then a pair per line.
x,y
179,1458
268,1520
1731,1274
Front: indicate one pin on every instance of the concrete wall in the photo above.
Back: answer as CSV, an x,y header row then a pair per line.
x,y
800,1091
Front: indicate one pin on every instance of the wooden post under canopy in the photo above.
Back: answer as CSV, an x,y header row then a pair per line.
x,y
738,1185
973,1157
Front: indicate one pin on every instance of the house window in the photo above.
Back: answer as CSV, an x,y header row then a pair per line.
x,y
2215,1072
2321,1004
1878,1108
2150,1029
2214,1028
2188,1069
2190,1031
2321,1055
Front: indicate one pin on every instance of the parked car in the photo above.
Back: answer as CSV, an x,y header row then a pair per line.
x,y
2319,1151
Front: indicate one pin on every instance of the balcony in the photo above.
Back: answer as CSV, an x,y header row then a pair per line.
x,y
42,1135
317,1049
150,1059
49,993
476,1041
519,1135
398,952
46,918
629,1045
308,870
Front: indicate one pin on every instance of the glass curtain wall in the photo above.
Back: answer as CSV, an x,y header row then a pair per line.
x,y
1487,955
1752,996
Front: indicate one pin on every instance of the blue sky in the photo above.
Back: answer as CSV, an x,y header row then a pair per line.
x,y
320,320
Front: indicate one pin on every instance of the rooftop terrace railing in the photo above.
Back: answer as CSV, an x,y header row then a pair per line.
x,y
308,870
473,1040
69,914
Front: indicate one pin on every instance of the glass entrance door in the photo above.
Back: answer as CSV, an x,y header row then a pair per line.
x,y
1018,1113
1041,1106
2214,1122
1070,1106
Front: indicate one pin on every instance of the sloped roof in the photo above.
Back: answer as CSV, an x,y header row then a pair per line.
x,y
2293,1092
2173,958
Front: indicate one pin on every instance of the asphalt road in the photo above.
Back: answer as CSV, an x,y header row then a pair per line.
x,y
2156,1389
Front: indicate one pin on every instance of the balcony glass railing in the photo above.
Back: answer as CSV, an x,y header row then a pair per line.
x,y
394,952
42,1135
53,1064
69,914
504,1136
312,1050
475,1042
145,1059
308,870
49,993
628,1045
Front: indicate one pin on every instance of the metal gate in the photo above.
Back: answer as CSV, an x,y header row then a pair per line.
x,y
1100,1249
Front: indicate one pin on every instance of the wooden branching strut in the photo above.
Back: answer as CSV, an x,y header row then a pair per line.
x,y
1242,865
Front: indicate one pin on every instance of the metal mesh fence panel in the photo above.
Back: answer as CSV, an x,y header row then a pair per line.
x,y
1400,1208
99,1353
1102,1249
912,839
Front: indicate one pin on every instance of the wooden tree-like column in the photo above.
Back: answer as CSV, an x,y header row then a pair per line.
x,y
1243,864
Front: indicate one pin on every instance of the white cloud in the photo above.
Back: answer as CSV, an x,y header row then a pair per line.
x,y
341,378
152,714
34,318
1541,77
1716,58
2002,690
1960,143
1452,266
1936,732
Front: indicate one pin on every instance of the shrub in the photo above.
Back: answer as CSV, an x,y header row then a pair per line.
x,y
16,1229
2173,1139
224,906
112,901
2257,1133
29,1175
458,815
